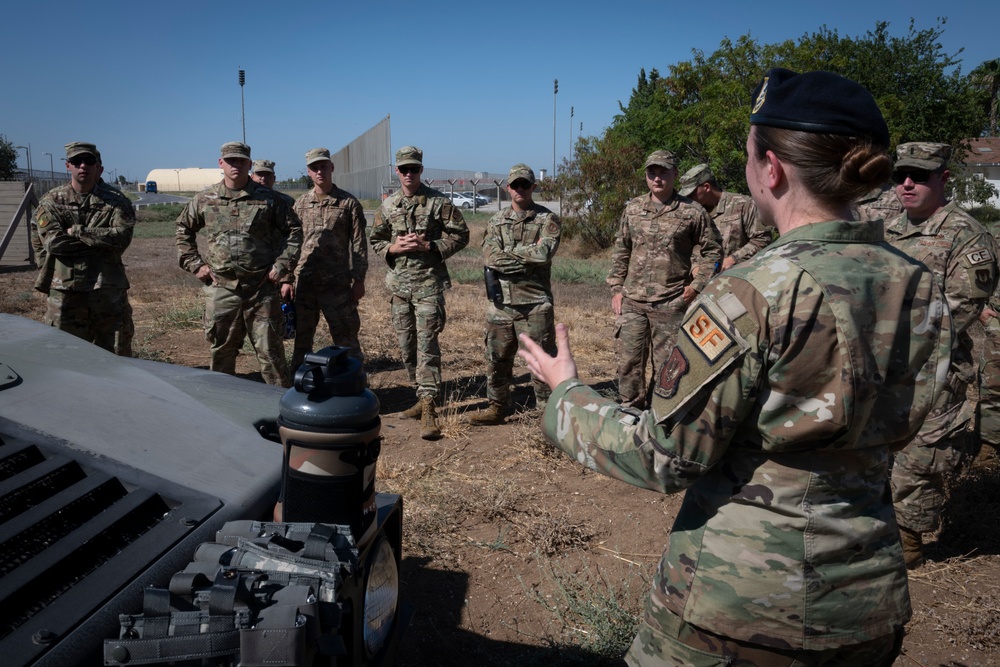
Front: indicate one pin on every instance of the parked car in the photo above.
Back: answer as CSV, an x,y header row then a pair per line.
x,y
481,199
462,200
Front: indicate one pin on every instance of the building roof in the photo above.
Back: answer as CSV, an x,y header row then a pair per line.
x,y
984,151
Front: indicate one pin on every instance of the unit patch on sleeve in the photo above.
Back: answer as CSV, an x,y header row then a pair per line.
x,y
671,372
709,337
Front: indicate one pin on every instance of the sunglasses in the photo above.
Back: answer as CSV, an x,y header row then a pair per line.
x,y
88,160
520,185
918,176
409,169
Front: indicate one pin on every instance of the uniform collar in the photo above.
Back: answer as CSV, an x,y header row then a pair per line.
x,y
836,231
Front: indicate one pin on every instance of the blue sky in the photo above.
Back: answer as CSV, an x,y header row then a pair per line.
x,y
154,84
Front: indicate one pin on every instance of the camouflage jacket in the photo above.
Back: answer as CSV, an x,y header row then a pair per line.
x,y
520,246
793,375
103,218
334,246
743,235
248,232
879,204
653,248
432,214
960,251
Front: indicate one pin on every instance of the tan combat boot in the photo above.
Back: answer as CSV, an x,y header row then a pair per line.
x,y
492,415
913,550
415,411
428,420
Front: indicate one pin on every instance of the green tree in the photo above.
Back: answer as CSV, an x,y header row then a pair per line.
x,y
8,159
986,78
701,108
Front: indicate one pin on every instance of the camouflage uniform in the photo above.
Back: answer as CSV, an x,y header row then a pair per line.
x,y
417,280
250,231
334,256
792,376
84,275
735,216
651,264
960,251
520,246
989,378
880,204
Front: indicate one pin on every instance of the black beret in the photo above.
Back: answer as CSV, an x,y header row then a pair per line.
x,y
821,102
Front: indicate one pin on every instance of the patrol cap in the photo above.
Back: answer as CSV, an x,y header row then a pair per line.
x,y
820,102
409,155
662,158
81,148
235,149
922,155
317,155
692,178
263,166
521,171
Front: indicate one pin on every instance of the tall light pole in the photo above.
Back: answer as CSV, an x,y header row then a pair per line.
x,y
243,113
571,133
27,153
52,169
555,92
178,172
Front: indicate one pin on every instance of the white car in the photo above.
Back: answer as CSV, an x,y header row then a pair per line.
x,y
462,200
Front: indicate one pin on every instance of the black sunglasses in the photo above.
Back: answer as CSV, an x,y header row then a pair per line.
x,y
88,160
918,176
409,169
520,185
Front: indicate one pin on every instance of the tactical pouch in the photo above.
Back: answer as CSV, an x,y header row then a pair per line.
x,y
263,594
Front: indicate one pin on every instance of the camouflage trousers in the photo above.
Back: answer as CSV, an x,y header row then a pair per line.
x,y
418,321
233,314
922,470
989,385
94,316
123,340
502,328
675,643
339,309
644,331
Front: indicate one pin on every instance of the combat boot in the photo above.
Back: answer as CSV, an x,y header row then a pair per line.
x,y
415,411
428,420
491,416
913,549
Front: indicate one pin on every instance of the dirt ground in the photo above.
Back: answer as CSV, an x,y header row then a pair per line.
x,y
514,555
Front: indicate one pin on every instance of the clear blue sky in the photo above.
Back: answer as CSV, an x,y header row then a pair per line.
x,y
154,84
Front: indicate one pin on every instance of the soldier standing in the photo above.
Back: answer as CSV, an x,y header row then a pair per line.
x,y
330,276
650,270
519,245
734,215
960,251
415,230
83,228
879,204
263,174
793,374
254,240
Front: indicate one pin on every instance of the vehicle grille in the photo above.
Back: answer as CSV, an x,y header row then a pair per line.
x,y
73,535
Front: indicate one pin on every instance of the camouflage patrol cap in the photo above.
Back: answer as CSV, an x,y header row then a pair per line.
x,y
317,155
235,149
820,102
263,166
661,158
922,155
692,178
409,155
81,148
521,171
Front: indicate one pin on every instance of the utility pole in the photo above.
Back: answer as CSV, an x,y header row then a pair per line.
x,y
555,92
570,133
243,113
52,169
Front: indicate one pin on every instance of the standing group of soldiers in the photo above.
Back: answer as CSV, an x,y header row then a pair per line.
x,y
264,248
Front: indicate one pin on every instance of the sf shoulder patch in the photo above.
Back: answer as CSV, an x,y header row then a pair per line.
x,y
711,339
